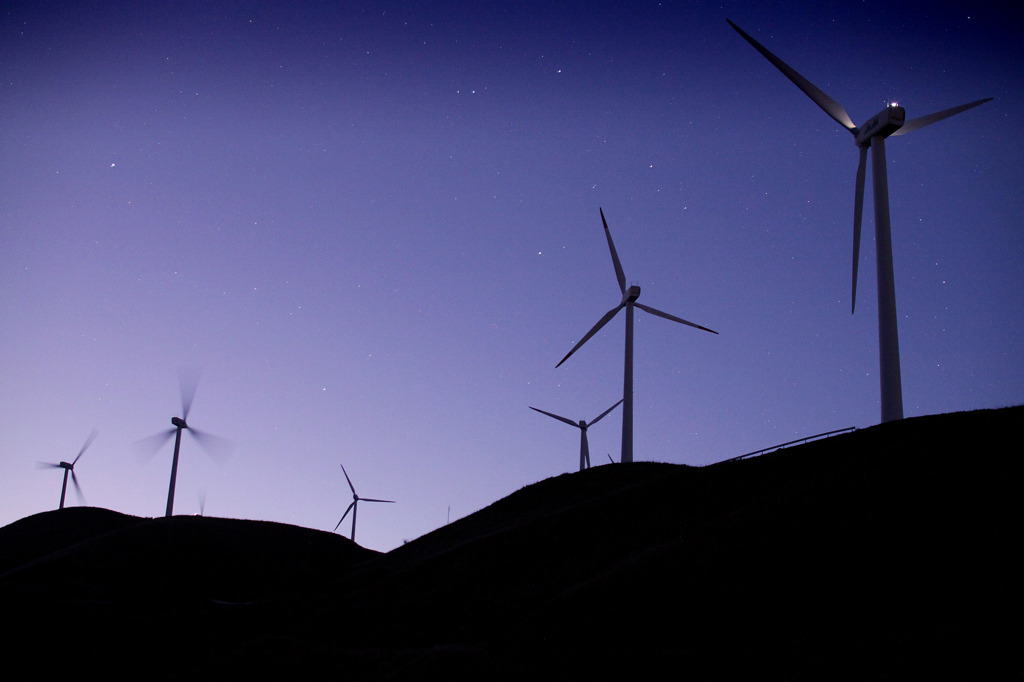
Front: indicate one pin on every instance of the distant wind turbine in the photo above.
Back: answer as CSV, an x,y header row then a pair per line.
x,y
629,297
354,506
212,444
582,425
69,467
886,123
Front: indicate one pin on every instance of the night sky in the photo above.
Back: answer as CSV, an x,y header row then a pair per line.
x,y
374,228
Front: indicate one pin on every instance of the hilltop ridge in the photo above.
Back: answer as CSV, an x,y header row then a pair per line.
x,y
887,552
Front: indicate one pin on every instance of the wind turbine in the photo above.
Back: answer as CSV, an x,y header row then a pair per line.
x,y
69,467
629,297
582,426
210,443
888,122
354,506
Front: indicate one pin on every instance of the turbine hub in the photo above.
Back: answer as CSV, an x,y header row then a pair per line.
x,y
883,124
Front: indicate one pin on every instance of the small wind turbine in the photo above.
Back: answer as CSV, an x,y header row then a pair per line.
x,y
629,297
354,506
886,123
69,467
582,426
210,443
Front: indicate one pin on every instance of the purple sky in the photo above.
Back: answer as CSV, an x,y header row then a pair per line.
x,y
375,229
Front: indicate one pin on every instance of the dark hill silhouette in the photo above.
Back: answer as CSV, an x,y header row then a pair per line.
x,y
886,553
37,536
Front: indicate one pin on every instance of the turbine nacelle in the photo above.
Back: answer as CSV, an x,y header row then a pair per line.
x,y
179,422
883,124
631,294
66,465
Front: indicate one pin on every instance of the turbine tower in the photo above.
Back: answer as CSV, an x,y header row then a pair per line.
x,y
354,505
891,121
629,296
69,467
582,426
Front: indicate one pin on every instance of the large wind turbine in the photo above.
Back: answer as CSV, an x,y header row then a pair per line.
x,y
629,297
354,505
211,443
69,467
888,122
582,426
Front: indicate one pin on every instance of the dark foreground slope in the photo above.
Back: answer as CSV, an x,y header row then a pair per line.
x,y
887,553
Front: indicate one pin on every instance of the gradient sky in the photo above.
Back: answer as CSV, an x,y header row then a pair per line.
x,y
374,227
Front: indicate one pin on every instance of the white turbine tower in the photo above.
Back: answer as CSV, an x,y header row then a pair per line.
x,y
582,426
886,123
629,297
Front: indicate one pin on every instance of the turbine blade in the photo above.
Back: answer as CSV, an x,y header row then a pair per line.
x,y
349,481
218,448
78,489
602,322
655,311
555,416
88,442
352,504
918,123
827,104
601,416
858,215
48,465
367,499
619,274
147,447
188,379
